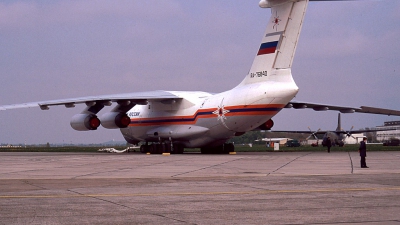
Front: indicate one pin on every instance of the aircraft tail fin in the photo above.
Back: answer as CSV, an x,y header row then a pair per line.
x,y
280,39
339,123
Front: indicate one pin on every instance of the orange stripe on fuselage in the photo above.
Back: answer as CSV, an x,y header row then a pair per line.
x,y
240,110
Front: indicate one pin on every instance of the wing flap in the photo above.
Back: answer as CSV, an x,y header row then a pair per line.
x,y
299,131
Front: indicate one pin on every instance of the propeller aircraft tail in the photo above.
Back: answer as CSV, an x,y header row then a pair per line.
x,y
339,123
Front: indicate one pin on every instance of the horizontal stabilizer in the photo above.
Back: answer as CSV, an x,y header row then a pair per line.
x,y
272,3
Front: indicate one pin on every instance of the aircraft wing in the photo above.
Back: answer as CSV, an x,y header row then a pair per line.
x,y
342,109
363,131
136,97
328,131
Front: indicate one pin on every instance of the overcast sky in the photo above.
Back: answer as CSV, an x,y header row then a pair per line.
x,y
348,54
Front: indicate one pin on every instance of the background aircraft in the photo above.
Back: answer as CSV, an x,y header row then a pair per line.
x,y
337,136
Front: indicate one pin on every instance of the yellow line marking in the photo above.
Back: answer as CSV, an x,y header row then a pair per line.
x,y
205,193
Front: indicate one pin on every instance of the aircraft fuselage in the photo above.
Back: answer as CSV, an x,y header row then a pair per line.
x,y
203,119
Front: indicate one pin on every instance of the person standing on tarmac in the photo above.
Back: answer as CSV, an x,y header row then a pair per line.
x,y
329,144
363,152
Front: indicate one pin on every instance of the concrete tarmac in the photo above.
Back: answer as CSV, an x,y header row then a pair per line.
x,y
246,188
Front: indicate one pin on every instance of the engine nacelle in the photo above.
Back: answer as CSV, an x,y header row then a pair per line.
x,y
84,122
267,125
114,120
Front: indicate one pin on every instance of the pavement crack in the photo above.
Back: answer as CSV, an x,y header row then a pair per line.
x,y
128,207
126,168
243,185
351,163
289,163
34,185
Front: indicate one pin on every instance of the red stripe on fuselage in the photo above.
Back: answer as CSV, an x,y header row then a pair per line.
x,y
241,110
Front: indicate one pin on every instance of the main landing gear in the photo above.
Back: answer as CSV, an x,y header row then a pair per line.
x,y
167,147
159,148
222,149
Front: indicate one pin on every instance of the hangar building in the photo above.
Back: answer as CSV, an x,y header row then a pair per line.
x,y
387,135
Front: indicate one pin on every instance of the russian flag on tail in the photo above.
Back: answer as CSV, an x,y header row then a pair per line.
x,y
268,48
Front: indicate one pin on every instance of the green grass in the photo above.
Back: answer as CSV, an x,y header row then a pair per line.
x,y
238,148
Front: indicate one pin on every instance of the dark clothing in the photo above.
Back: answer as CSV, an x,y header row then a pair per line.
x,y
362,162
363,154
363,149
328,144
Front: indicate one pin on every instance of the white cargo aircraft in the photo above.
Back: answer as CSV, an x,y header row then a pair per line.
x,y
174,120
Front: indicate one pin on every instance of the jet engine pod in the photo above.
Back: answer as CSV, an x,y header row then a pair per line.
x,y
267,125
114,120
84,122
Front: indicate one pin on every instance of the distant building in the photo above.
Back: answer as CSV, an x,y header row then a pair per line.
x,y
389,134
282,141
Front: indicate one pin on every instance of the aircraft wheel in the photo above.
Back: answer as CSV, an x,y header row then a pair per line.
x,y
229,148
181,149
203,150
221,149
153,149
206,150
166,147
144,148
158,148
178,149
150,149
